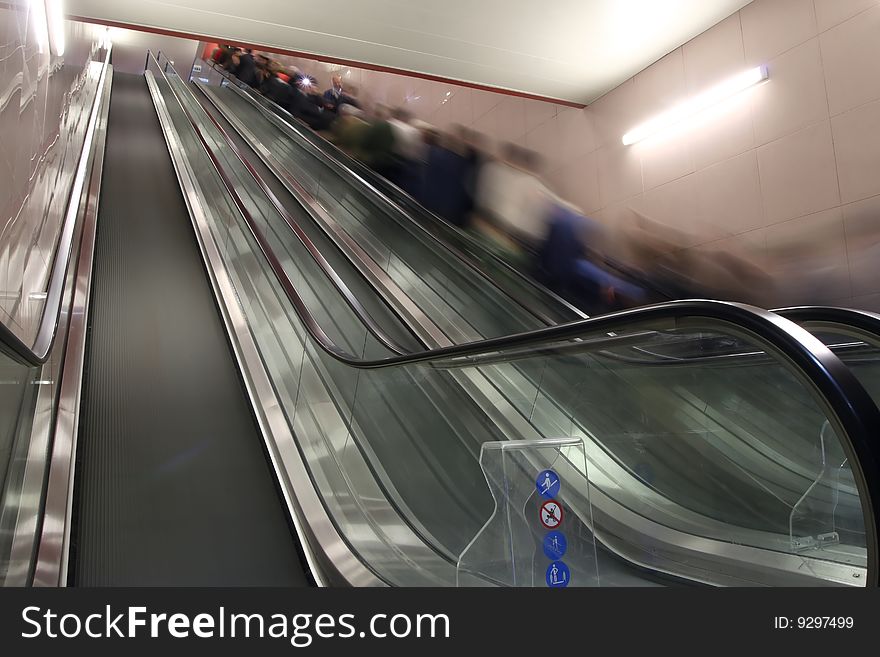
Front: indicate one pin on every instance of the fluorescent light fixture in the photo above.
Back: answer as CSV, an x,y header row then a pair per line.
x,y
698,103
55,14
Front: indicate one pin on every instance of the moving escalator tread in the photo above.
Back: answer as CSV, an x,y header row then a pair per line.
x,y
173,484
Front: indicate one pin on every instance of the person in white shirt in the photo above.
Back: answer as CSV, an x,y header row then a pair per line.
x,y
514,200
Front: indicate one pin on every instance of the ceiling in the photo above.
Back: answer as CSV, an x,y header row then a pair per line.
x,y
572,50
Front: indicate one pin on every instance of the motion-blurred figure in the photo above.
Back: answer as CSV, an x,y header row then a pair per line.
x,y
222,56
513,202
474,149
567,265
444,189
333,97
656,255
378,145
349,129
308,105
278,90
409,149
244,68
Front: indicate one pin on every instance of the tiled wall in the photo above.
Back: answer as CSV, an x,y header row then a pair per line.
x,y
44,108
787,173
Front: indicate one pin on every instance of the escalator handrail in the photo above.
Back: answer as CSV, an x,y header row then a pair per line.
x,y
357,170
836,386
860,324
37,353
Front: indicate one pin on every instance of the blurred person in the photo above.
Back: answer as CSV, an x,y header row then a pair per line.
x,y
475,154
305,83
377,148
409,150
268,72
513,202
654,253
333,97
670,270
350,97
276,89
733,277
293,73
566,266
245,69
234,61
308,105
222,56
262,64
430,137
444,190
349,129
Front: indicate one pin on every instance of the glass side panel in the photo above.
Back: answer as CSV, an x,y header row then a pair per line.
x,y
17,401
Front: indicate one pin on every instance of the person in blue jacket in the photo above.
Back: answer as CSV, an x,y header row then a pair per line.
x,y
567,265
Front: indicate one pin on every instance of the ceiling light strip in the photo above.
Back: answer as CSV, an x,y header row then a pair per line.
x,y
698,103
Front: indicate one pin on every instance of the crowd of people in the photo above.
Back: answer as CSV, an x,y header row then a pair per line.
x,y
503,200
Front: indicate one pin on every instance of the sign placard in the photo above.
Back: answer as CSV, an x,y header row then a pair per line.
x,y
540,533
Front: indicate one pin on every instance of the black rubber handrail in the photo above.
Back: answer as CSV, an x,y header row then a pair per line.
x,y
861,325
37,353
836,386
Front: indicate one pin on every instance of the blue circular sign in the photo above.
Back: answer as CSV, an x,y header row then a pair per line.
x,y
547,484
555,545
558,575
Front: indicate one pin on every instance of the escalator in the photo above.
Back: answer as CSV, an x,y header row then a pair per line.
x,y
299,150
140,460
279,415
429,253
528,410
710,423
172,486
383,197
